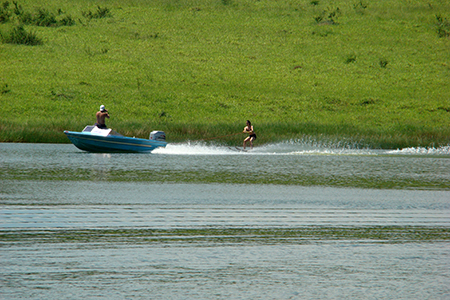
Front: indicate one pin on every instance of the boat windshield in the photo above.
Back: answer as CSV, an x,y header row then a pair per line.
x,y
114,133
102,132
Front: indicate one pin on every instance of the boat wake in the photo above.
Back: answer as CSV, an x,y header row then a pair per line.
x,y
195,149
295,148
422,151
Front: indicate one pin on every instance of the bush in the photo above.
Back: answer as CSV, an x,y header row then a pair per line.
x,y
42,16
66,21
383,63
102,12
5,15
4,88
328,16
20,36
350,59
360,7
443,26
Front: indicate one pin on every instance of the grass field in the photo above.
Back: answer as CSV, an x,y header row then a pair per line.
x,y
376,73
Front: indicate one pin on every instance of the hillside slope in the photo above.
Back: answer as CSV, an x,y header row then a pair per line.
x,y
375,72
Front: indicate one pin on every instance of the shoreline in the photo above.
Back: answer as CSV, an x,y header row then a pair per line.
x,y
390,141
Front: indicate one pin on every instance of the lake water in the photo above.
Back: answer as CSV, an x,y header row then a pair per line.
x,y
294,220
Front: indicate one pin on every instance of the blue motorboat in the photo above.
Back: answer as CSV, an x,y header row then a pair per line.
x,y
94,139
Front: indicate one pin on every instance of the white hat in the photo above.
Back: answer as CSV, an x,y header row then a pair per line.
x,y
102,108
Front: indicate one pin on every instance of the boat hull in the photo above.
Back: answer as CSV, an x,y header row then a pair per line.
x,y
112,144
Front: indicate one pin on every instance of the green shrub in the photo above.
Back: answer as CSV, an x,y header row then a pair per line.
x,y
18,10
41,17
102,12
44,18
66,21
5,14
328,16
350,59
443,26
18,35
383,62
360,7
4,88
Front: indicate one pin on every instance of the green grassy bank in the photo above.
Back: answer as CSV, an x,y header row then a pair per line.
x,y
375,73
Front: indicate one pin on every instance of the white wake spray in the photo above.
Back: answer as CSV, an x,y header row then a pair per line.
x,y
298,147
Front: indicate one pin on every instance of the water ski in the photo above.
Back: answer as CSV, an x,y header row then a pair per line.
x,y
237,149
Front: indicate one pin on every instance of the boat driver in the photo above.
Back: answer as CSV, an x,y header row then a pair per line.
x,y
101,116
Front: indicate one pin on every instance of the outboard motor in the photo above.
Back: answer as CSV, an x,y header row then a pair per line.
x,y
158,136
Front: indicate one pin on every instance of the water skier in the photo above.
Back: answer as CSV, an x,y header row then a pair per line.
x,y
252,136
101,115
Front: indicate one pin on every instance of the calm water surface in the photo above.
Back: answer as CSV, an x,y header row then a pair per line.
x,y
284,221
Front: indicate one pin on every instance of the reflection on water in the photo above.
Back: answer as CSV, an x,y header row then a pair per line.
x,y
172,271
284,221
97,204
